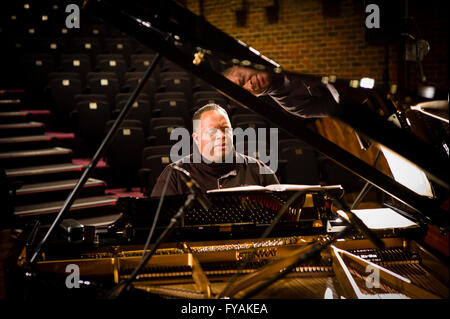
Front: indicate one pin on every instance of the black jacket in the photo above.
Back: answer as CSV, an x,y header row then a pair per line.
x,y
305,96
244,171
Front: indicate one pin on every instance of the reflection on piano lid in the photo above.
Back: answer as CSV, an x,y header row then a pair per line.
x,y
435,109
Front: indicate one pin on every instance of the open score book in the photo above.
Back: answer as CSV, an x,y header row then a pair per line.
x,y
276,188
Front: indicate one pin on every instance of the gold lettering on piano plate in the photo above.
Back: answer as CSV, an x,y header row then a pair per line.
x,y
258,254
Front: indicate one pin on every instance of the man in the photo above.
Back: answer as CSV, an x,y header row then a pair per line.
x,y
301,95
214,163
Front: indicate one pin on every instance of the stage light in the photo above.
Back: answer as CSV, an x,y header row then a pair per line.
x,y
427,92
367,83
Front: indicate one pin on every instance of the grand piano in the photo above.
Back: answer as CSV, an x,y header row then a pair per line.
x,y
300,241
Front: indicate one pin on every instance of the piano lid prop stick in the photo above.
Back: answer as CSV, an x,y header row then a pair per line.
x,y
354,220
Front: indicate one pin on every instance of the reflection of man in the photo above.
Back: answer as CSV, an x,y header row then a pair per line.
x,y
301,95
214,163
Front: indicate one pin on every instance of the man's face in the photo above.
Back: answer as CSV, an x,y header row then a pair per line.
x,y
214,136
254,81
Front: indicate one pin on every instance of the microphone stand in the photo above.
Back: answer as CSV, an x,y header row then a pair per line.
x,y
98,155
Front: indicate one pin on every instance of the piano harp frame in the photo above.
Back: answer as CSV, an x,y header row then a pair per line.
x,y
142,23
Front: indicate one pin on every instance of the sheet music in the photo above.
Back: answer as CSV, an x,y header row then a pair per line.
x,y
383,218
275,188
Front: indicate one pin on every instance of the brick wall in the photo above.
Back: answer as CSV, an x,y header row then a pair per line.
x,y
328,37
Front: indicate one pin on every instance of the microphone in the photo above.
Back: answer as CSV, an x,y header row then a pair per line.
x,y
193,187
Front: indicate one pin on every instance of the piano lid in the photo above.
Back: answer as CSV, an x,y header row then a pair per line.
x,y
211,55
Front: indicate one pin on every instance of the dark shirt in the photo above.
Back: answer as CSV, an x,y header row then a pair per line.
x,y
244,171
304,96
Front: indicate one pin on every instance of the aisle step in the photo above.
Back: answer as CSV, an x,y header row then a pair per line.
x,y
14,117
44,173
21,116
82,207
15,143
22,129
10,104
35,157
57,190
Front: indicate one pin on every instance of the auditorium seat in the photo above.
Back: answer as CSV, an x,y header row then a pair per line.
x,y
131,81
54,46
166,121
302,165
140,110
124,97
104,83
78,63
160,135
169,66
156,150
109,56
38,66
116,66
91,118
63,91
171,104
95,30
200,85
87,45
143,49
141,62
201,98
124,155
121,45
91,98
249,120
35,72
152,167
154,160
176,82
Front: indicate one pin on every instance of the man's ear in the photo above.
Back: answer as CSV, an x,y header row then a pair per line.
x,y
196,138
